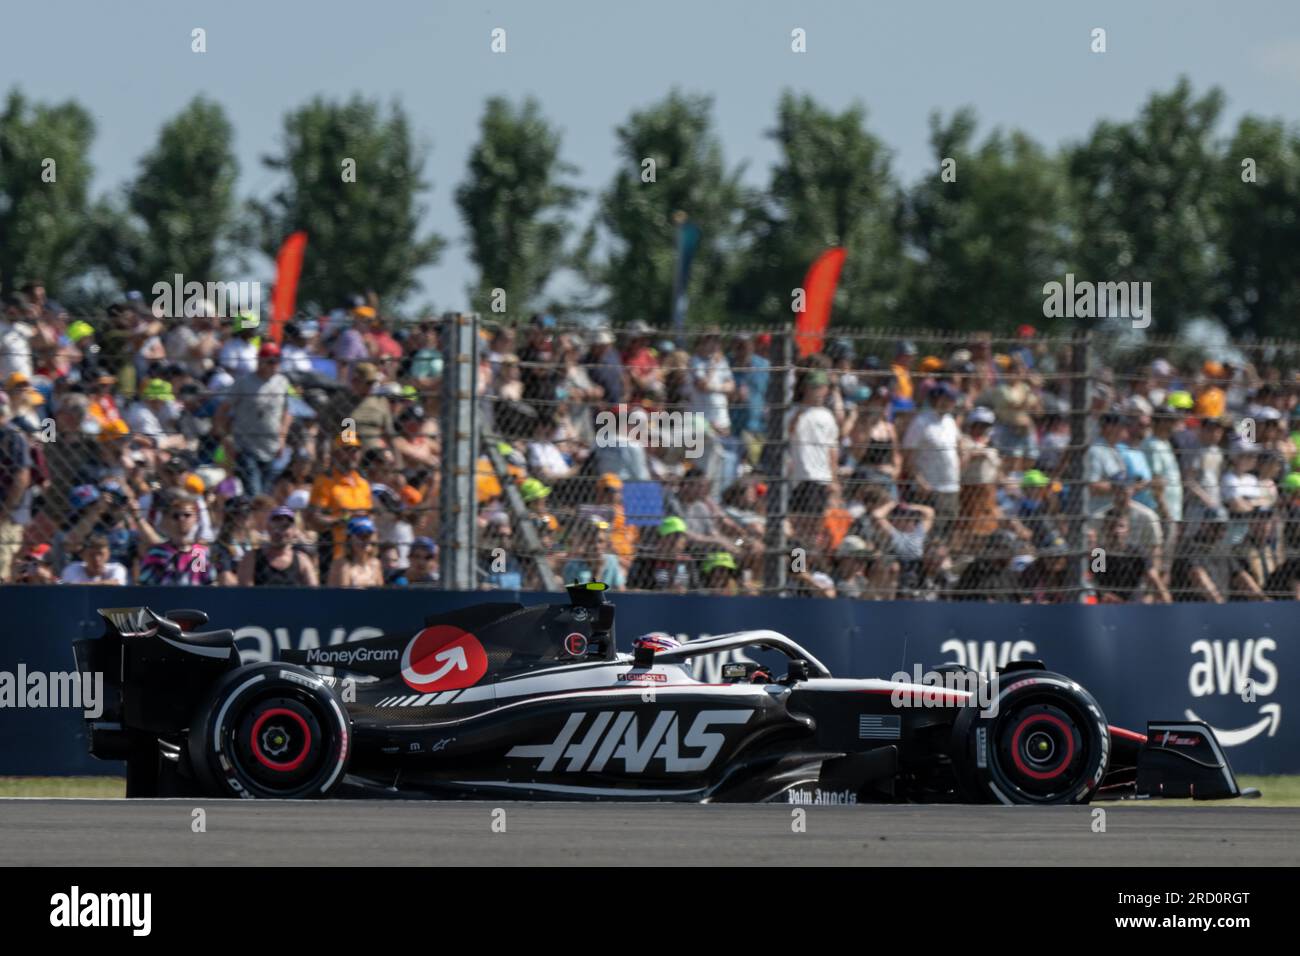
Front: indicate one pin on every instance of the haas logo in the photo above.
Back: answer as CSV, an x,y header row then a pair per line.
x,y
443,657
620,737
1227,668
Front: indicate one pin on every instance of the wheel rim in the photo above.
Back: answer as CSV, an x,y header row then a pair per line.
x,y
277,743
277,732
1040,751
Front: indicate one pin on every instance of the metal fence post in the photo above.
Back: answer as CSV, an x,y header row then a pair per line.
x,y
460,441
779,388
1080,400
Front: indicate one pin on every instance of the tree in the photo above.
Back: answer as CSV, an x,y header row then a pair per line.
x,y
513,203
1259,206
1145,203
831,187
670,163
353,183
45,175
985,229
179,209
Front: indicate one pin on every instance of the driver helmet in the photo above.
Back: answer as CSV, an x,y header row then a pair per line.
x,y
657,641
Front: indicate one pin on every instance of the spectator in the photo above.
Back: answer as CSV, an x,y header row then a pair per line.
x,y
179,559
423,570
719,574
981,470
1202,471
904,356
873,449
278,563
854,566
234,538
1123,567
814,455
1203,566
34,567
1142,534
931,457
500,569
256,416
1239,487
368,411
668,567
95,566
606,368
711,383
1256,557
590,555
359,565
15,485
1165,495
1103,463
751,373
988,577
336,496
395,530
903,528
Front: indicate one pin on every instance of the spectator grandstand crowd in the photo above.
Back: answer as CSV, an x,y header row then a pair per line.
x,y
200,451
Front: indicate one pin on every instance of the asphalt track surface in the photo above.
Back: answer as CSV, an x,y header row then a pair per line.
x,y
293,833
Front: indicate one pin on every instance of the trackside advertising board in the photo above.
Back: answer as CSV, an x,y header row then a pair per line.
x,y
1237,667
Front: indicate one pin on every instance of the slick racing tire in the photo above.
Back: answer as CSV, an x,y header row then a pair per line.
x,y
270,731
1047,742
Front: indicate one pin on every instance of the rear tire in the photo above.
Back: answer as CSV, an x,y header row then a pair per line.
x,y
1048,743
271,731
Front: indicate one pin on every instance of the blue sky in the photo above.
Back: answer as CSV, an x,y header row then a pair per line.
x,y
1020,64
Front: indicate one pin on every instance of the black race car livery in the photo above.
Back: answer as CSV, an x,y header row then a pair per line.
x,y
502,700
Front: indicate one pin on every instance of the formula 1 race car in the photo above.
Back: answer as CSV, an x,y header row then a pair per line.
x,y
502,700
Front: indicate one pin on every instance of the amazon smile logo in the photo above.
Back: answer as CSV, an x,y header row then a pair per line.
x,y
1240,669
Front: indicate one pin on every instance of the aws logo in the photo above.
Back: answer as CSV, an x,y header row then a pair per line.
x,y
1239,669
987,656
443,657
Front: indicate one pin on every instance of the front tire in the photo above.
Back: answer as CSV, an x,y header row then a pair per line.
x,y
1047,743
270,731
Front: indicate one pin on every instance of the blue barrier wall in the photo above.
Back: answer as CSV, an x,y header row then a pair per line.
x,y
1140,662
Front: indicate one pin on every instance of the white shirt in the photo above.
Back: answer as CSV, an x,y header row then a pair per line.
x,y
547,460
75,573
294,358
15,349
814,436
711,404
144,421
934,438
1236,486
238,356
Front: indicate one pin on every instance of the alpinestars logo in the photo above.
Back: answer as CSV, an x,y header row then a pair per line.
x,y
615,737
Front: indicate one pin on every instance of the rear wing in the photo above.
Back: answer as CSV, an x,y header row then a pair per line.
x,y
154,673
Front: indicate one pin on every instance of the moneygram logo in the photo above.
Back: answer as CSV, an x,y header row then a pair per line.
x,y
346,657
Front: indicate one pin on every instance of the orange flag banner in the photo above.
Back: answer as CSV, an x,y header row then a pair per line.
x,y
288,266
819,291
